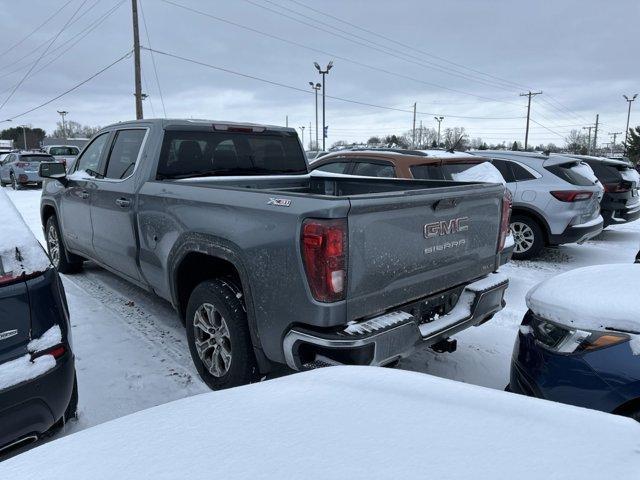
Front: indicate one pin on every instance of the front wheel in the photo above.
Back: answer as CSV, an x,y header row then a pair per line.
x,y
57,251
528,237
218,336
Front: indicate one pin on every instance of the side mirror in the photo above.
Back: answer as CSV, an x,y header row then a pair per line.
x,y
55,170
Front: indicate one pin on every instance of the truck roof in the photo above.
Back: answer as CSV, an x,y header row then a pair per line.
x,y
167,122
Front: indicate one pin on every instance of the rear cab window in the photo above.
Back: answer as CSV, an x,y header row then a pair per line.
x,y
193,153
64,151
36,158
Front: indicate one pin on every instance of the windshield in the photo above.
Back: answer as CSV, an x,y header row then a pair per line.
x,y
200,153
68,151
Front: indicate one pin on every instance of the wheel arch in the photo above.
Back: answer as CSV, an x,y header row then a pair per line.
x,y
199,257
535,215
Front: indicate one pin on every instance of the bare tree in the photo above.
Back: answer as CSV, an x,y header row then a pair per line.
x,y
577,142
455,138
74,130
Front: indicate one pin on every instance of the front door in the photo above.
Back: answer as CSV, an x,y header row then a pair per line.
x,y
113,205
75,204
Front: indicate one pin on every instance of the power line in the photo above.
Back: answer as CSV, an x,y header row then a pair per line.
x,y
82,34
547,128
26,75
417,60
333,55
21,41
153,60
308,92
75,87
404,45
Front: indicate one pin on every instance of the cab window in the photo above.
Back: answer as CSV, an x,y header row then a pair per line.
x,y
124,153
90,159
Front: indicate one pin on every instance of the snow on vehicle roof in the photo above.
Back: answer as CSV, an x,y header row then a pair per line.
x,y
346,422
591,298
482,172
20,252
446,154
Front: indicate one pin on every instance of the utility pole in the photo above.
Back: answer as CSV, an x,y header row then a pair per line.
x,y
302,130
439,120
530,94
64,127
413,142
613,145
324,88
136,60
421,135
595,134
286,120
626,132
316,87
310,130
24,135
589,140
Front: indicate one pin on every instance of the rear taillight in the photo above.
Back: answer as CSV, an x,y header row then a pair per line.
x,y
56,351
21,164
324,252
571,195
621,187
505,218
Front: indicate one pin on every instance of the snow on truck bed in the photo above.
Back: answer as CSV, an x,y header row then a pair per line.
x,y
20,252
346,422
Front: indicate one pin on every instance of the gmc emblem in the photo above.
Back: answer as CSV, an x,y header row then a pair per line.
x,y
446,227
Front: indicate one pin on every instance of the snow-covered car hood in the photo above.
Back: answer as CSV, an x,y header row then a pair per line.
x,y
591,298
346,422
20,252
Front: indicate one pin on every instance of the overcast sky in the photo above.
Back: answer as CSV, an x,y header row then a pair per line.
x,y
456,58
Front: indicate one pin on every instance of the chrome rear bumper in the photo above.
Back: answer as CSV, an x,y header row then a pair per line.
x,y
394,335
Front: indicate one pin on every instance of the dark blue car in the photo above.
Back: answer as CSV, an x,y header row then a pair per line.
x,y
38,389
579,343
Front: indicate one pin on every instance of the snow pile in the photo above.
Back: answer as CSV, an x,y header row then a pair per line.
x,y
591,298
346,422
23,368
483,172
585,170
20,252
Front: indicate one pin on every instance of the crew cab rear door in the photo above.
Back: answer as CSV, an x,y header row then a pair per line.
x,y
407,245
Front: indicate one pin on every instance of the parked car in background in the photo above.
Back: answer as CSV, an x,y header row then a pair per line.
x,y
67,154
267,264
366,424
621,202
556,199
410,164
38,390
579,343
313,154
20,169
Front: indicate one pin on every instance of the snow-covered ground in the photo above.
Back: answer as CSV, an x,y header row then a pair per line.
x,y
132,353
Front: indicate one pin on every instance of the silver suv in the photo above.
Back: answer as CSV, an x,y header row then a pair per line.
x,y
21,168
556,199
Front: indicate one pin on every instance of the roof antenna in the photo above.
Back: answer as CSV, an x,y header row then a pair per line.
x,y
453,147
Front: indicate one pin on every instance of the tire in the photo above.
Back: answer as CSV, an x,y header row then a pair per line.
x,y
61,259
218,336
14,183
528,237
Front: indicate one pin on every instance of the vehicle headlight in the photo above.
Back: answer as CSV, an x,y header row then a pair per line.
x,y
562,339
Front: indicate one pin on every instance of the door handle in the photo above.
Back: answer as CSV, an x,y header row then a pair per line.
x,y
123,202
84,194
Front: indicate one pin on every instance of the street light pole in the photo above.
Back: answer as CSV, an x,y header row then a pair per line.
x,y
302,130
626,132
24,135
439,120
316,87
64,128
324,87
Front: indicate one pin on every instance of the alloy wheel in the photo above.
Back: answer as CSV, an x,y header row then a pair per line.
x,y
523,236
212,339
53,245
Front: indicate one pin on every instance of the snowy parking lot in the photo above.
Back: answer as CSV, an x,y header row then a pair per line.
x,y
132,353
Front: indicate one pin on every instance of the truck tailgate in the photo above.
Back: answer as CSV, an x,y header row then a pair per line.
x,y
410,245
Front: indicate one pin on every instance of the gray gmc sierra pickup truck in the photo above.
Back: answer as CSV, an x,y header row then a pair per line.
x,y
267,264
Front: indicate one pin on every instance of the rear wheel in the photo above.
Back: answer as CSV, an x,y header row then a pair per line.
x,y
61,259
14,183
528,237
218,336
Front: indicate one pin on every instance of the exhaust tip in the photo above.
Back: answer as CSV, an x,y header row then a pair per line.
x,y
17,444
